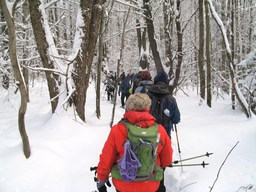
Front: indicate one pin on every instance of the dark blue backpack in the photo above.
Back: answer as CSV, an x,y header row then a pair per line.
x,y
164,108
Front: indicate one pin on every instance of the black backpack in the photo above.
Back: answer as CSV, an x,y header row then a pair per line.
x,y
164,109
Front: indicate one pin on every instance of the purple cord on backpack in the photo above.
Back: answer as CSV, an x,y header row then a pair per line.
x,y
128,164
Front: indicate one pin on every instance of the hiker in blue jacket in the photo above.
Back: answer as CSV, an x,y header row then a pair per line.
x,y
163,107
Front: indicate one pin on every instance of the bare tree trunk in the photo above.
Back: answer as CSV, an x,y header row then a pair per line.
x,y
223,52
180,48
168,34
233,32
100,59
43,47
208,55
171,16
201,49
139,36
196,50
252,26
18,77
25,52
151,35
239,43
142,45
91,12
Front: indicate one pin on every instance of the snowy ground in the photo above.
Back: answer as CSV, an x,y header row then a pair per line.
x,y
63,149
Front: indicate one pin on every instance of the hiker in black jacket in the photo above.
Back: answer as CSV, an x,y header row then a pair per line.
x,y
163,107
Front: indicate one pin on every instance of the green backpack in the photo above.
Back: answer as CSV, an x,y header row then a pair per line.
x,y
143,143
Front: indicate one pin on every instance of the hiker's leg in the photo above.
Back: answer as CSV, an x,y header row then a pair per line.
x,y
108,95
127,95
122,98
161,186
112,95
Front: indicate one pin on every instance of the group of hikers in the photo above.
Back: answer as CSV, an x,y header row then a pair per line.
x,y
138,148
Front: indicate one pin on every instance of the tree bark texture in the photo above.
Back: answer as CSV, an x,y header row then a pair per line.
x,y
168,34
201,50
151,35
91,13
100,60
180,48
25,9
233,39
208,56
43,46
142,45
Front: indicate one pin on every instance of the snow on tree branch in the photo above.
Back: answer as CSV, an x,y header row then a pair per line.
x,y
235,87
220,23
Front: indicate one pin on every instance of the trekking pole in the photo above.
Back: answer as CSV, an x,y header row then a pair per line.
x,y
95,178
178,143
195,157
196,164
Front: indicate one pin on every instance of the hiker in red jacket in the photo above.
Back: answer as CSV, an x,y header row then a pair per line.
x,y
137,113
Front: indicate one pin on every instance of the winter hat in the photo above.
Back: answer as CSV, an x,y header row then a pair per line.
x,y
138,102
145,75
161,76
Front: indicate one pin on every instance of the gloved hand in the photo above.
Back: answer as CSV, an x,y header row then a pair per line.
x,y
101,185
102,189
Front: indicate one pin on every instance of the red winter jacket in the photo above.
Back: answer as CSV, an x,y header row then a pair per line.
x,y
114,150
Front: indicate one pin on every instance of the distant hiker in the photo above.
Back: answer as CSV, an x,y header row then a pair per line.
x,y
145,82
163,107
110,86
136,151
135,82
124,87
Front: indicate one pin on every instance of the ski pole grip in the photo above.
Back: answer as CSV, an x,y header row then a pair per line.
x,y
93,168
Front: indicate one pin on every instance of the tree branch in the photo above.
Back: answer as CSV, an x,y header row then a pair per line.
x,y
222,166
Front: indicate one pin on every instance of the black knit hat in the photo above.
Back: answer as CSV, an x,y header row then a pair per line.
x,y
161,76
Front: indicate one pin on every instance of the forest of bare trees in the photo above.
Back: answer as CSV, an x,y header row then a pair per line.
x,y
208,45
